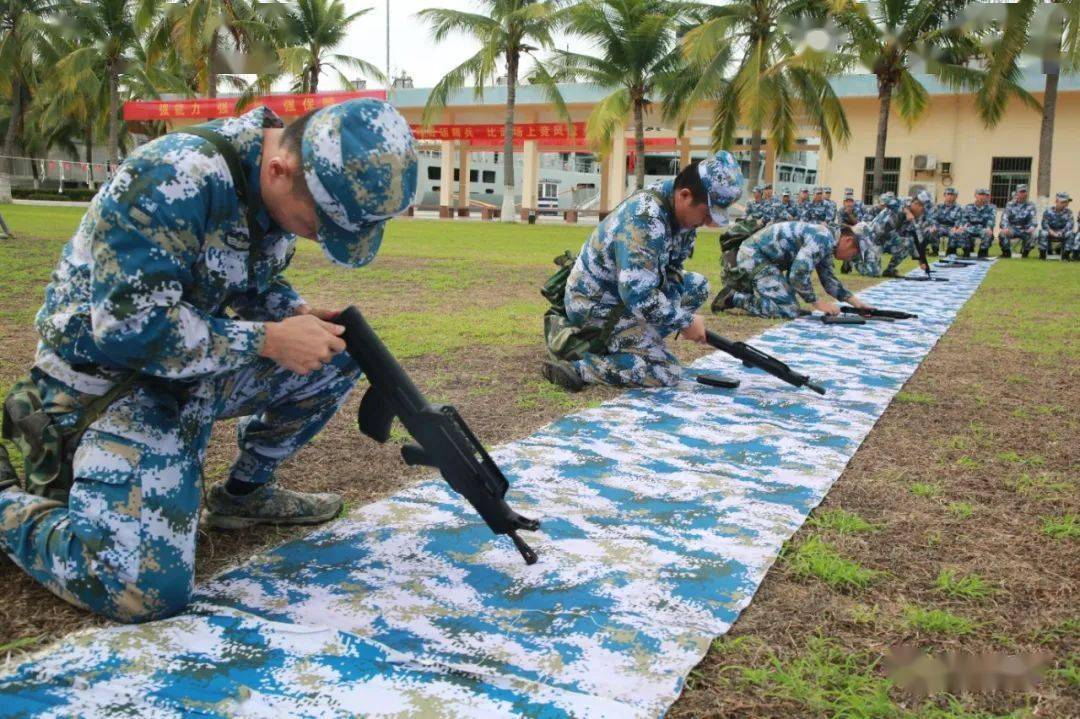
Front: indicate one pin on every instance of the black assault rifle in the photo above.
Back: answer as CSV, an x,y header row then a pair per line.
x,y
443,440
874,313
753,357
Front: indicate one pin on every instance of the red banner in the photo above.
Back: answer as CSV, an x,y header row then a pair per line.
x,y
545,133
208,108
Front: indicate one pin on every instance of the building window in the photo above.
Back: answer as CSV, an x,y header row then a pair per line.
x,y
890,178
1005,174
489,176
785,173
434,173
457,174
474,175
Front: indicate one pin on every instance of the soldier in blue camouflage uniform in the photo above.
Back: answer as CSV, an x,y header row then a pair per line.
x,y
769,202
831,204
778,264
1057,226
802,205
758,209
633,263
167,288
942,223
818,210
978,224
785,210
892,232
1018,222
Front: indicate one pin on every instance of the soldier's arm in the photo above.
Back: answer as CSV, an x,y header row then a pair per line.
x,y
278,302
144,253
637,251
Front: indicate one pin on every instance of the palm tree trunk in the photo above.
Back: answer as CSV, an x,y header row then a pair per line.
x,y
508,139
114,124
314,83
885,89
755,157
1046,137
211,70
88,138
639,140
11,137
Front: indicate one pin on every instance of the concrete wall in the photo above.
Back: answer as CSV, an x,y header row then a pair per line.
x,y
952,130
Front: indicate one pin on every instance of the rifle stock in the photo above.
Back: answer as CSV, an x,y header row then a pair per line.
x,y
442,439
753,357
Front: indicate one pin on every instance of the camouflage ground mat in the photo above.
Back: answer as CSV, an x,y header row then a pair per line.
x,y
662,511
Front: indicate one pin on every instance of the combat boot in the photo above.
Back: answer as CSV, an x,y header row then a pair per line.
x,y
1025,253
269,504
1066,256
1042,254
562,374
983,253
845,267
1006,253
722,301
890,273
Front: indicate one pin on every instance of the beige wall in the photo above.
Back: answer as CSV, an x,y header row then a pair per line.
x,y
953,132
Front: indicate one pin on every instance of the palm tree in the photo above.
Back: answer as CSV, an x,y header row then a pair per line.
x,y
637,52
887,38
108,37
24,24
747,65
1057,41
506,30
307,35
200,31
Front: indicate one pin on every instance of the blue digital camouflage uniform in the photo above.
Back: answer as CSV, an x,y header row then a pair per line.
x,y
941,224
819,211
162,279
781,260
1061,223
977,223
1018,222
759,210
785,211
800,210
635,257
891,233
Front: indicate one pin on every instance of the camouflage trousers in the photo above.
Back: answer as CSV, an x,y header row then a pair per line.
x,y
1072,243
773,295
968,236
637,353
1009,234
937,237
1046,242
124,545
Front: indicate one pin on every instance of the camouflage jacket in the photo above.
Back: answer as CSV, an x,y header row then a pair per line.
x,y
784,211
946,216
1019,216
1060,221
160,256
798,249
628,258
818,212
980,217
759,210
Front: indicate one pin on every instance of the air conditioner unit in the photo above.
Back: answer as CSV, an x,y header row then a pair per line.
x,y
924,163
930,187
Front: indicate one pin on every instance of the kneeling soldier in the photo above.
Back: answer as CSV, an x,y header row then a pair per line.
x,y
1018,222
168,311
1056,226
775,268
628,282
893,232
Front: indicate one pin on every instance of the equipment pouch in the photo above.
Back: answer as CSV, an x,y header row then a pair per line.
x,y
566,341
46,459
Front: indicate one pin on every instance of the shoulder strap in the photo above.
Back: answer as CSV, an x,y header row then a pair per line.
x,y
251,204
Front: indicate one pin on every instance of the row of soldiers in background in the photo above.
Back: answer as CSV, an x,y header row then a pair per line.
x,y
946,226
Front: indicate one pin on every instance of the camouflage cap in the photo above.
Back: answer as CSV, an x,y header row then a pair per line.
x,y
804,189
723,181
767,186
982,191
888,199
827,190
1064,197
759,188
818,190
786,193
849,191
1021,188
950,190
360,165
923,196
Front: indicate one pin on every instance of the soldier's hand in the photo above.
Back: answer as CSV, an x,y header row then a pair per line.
x,y
858,304
695,331
829,308
302,343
